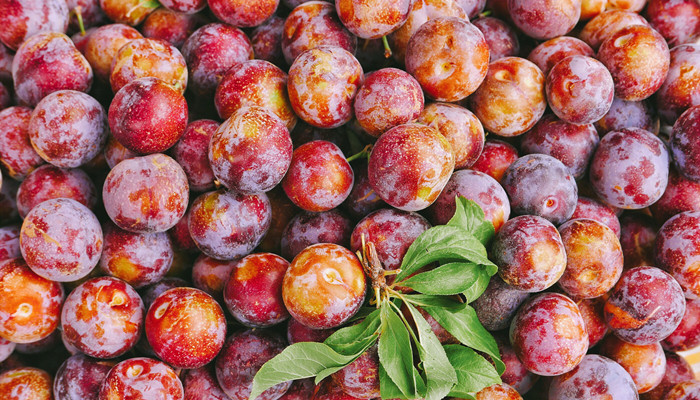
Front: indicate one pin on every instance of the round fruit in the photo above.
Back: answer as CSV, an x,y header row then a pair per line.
x,y
324,286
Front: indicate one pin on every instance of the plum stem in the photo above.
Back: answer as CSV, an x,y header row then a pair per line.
x,y
365,152
375,270
387,48
485,14
78,12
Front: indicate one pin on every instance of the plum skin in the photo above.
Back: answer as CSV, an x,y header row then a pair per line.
x,y
311,290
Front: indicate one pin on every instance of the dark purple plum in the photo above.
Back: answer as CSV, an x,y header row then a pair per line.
x,y
541,185
630,168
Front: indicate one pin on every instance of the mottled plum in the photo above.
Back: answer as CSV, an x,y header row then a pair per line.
x,y
362,19
240,359
645,363
685,142
547,54
139,259
211,51
322,85
228,225
679,91
313,24
579,89
548,334
253,291
460,127
511,98
361,377
41,60
185,327
677,250
80,377
17,155
388,97
26,383
448,57
594,258
251,151
255,83
102,317
595,378
636,77
243,13
307,228
324,286
147,116
319,177
148,58
24,18
191,152
607,23
630,168
687,335
538,184
104,44
61,240
569,143
50,182
141,378
409,166
495,158
32,305
529,253
545,19
645,306
68,128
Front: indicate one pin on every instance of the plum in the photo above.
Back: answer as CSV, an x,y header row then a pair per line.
x,y
409,166
324,286
548,335
645,306
185,327
529,253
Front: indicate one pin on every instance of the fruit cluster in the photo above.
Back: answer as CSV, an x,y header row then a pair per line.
x,y
188,187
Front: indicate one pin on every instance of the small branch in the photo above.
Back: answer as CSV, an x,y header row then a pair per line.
x,y
365,152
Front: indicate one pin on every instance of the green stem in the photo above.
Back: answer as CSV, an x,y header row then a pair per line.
x,y
405,322
365,152
78,12
387,49
485,14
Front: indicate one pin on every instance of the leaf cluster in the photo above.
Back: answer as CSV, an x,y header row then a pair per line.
x,y
447,267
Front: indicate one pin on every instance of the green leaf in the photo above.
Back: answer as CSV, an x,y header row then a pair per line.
x,y
387,387
477,289
389,390
461,321
444,244
424,300
440,374
448,279
356,339
474,372
395,354
298,361
470,217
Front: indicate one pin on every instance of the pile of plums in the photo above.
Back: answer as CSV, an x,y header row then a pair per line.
x,y
185,185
